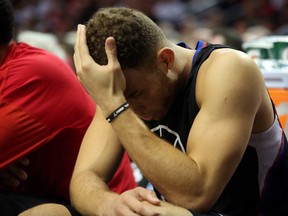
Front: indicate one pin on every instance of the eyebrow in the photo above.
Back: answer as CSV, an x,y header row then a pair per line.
x,y
134,94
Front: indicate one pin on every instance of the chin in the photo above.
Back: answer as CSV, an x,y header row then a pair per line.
x,y
147,118
156,117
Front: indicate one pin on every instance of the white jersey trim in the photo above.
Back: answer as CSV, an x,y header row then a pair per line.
x,y
267,145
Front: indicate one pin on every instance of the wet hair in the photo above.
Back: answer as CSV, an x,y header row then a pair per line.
x,y
137,36
6,22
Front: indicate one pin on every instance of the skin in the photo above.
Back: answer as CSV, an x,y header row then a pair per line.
x,y
92,171
47,210
13,175
229,113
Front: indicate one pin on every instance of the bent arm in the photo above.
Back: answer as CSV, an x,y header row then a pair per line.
x,y
97,161
216,143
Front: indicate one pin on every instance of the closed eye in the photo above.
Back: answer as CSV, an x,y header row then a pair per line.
x,y
135,94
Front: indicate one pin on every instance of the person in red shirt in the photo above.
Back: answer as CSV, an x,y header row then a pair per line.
x,y
44,113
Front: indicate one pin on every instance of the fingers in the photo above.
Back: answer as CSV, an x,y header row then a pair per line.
x,y
149,202
134,202
126,210
81,51
152,198
91,75
17,171
145,200
24,161
82,58
14,174
111,51
8,180
76,56
147,195
136,206
82,47
147,209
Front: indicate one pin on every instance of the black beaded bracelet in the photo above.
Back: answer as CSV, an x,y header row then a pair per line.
x,y
117,112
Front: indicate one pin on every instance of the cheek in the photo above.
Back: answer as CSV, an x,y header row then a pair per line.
x,y
144,106
136,105
150,101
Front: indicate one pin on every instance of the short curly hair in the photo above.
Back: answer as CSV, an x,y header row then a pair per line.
x,y
6,22
137,36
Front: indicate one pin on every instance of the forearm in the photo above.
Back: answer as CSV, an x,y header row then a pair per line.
x,y
172,172
90,195
169,209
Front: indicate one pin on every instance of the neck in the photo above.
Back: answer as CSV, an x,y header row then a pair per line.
x,y
3,51
184,62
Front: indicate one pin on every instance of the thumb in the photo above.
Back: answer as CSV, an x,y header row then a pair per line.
x,y
111,50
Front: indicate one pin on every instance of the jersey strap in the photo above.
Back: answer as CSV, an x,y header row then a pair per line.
x,y
200,44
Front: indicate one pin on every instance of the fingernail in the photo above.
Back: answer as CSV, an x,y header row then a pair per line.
x,y
110,43
24,177
26,162
15,183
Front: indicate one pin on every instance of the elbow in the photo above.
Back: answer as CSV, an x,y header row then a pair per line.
x,y
203,204
197,203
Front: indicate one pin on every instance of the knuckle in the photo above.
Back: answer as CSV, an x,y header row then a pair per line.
x,y
78,72
86,65
141,209
117,210
124,199
115,66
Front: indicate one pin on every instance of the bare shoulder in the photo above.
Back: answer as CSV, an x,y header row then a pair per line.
x,y
231,59
229,71
230,64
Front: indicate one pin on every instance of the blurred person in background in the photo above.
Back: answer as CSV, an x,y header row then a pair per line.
x,y
47,41
48,16
44,113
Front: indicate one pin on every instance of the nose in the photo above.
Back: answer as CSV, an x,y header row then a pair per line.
x,y
139,109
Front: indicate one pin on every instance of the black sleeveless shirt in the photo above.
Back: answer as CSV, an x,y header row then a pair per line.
x,y
241,196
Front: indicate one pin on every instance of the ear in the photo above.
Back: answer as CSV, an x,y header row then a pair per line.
x,y
166,58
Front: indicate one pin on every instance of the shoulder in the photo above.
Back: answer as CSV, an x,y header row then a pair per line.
x,y
228,71
37,58
226,57
28,62
33,71
226,64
